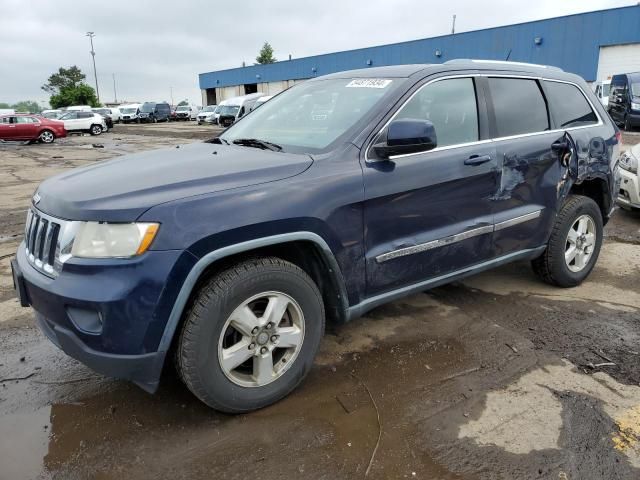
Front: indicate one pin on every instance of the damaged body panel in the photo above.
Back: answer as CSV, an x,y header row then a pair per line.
x,y
419,175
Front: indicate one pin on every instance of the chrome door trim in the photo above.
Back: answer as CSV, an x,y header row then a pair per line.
x,y
441,242
517,220
458,237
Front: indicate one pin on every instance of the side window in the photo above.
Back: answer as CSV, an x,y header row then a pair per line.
x,y
450,105
85,115
518,105
570,107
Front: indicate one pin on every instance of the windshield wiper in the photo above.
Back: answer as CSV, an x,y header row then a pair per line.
x,y
254,142
217,140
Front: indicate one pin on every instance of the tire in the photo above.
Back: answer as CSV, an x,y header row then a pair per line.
x,y
627,124
95,130
552,266
46,136
207,327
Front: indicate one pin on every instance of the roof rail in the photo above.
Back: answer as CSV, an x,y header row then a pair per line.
x,y
503,62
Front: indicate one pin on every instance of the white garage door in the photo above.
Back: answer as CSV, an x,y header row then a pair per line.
x,y
618,59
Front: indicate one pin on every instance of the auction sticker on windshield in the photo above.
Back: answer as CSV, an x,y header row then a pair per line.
x,y
369,83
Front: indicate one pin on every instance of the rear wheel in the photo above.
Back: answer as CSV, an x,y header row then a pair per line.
x,y
251,336
46,136
95,130
574,244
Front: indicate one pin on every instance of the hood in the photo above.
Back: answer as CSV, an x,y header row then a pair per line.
x,y
121,190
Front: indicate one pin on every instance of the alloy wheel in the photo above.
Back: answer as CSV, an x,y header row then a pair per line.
x,y
580,243
261,339
46,137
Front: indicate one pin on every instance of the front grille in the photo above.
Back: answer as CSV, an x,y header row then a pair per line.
x,y
42,237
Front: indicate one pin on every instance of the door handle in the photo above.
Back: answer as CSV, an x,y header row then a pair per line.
x,y
474,160
560,145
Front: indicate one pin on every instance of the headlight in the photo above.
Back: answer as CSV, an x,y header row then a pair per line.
x,y
635,106
109,240
629,162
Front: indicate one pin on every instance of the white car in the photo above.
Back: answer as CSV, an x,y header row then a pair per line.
x,y
629,192
79,121
206,114
52,114
113,112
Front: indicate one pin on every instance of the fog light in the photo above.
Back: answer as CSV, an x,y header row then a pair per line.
x,y
85,320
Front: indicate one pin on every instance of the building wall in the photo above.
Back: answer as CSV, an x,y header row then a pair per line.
x,y
571,43
268,88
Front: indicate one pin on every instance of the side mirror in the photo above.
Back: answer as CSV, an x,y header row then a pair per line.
x,y
407,136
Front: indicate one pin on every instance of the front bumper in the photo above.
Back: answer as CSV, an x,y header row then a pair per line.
x,y
130,299
629,192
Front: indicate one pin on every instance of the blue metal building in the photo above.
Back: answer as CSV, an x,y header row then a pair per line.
x,y
574,43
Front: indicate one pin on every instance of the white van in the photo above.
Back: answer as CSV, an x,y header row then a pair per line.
x,y
602,92
236,108
130,113
261,100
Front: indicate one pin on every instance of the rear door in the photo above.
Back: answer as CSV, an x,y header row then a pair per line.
x,y
428,214
528,161
26,128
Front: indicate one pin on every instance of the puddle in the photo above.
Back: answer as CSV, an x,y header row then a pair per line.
x,y
24,443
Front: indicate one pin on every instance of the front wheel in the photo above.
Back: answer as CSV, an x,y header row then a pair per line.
x,y
574,244
251,335
46,136
627,124
95,130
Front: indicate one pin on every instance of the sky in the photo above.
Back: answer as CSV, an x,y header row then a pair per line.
x,y
158,48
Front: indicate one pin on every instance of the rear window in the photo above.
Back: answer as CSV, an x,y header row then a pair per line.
x,y
519,106
570,107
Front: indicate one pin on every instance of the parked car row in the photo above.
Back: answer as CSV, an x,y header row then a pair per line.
x,y
228,111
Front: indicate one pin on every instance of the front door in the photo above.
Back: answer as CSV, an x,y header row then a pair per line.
x,y
26,128
8,128
428,214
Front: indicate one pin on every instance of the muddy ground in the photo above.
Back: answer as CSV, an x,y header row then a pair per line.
x,y
499,376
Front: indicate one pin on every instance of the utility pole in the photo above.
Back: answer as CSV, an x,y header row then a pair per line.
x,y
453,26
93,57
115,95
171,89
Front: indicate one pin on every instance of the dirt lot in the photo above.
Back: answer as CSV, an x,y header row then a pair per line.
x,y
499,376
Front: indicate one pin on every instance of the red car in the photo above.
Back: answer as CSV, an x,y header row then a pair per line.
x,y
21,126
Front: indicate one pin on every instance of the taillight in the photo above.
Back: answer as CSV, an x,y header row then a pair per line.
x,y
619,137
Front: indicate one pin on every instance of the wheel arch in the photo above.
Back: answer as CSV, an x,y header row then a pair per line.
x,y
307,250
597,189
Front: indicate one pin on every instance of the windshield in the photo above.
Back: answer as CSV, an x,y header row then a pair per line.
x,y
218,109
635,89
210,108
229,110
102,111
312,115
128,110
183,108
147,107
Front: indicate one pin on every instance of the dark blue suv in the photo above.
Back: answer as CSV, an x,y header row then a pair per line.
x,y
228,256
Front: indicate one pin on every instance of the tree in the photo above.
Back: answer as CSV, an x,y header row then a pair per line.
x,y
266,54
183,102
23,106
65,78
67,88
82,94
27,106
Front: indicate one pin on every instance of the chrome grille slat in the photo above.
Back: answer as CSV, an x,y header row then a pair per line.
x,y
42,234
